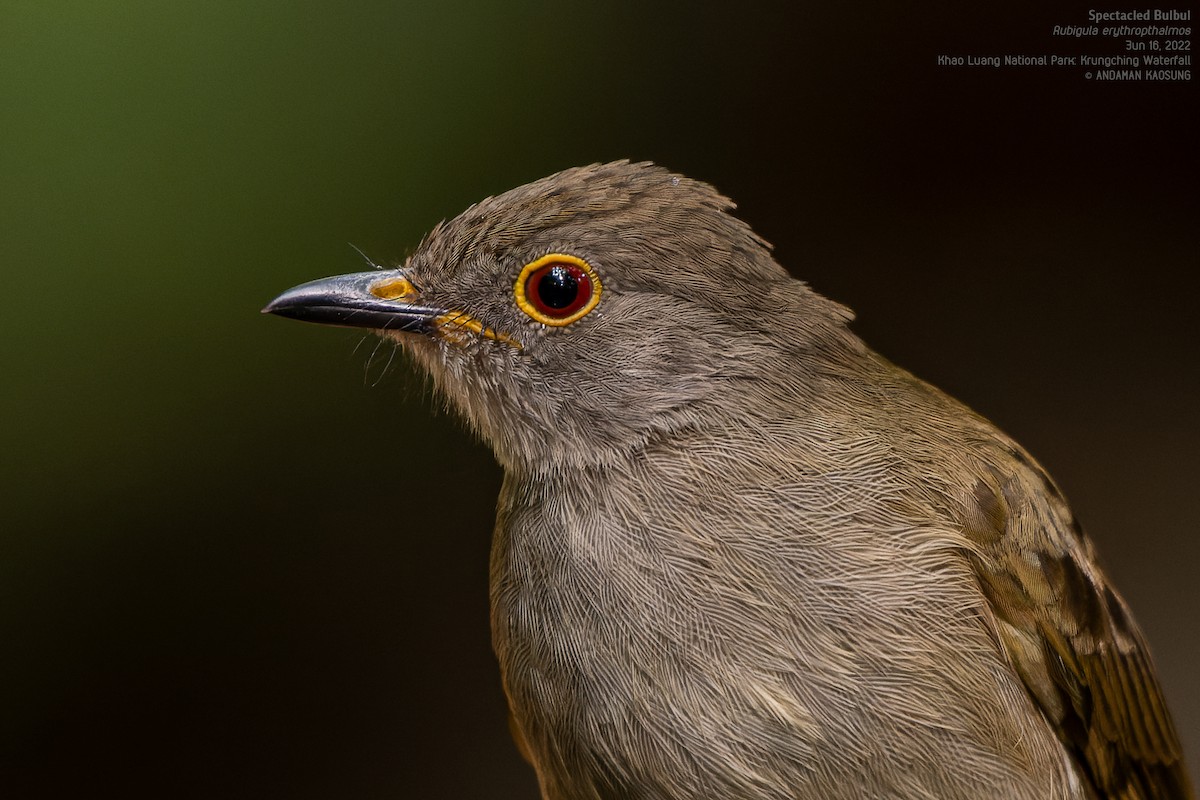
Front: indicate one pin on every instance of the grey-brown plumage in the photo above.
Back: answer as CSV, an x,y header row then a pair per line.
x,y
738,554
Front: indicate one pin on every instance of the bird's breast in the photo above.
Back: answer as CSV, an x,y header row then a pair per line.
x,y
716,619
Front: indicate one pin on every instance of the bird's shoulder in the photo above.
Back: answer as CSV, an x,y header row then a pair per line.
x,y
1066,631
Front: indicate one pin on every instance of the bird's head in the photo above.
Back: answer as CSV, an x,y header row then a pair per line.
x,y
575,317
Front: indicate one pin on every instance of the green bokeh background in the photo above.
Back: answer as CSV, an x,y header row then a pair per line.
x,y
240,557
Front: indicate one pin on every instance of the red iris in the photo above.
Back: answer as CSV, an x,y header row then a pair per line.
x,y
558,290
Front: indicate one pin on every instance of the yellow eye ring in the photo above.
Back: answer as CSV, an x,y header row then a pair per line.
x,y
557,289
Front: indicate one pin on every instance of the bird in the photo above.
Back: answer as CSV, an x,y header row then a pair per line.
x,y
738,553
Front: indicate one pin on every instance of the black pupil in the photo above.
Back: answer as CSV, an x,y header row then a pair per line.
x,y
558,288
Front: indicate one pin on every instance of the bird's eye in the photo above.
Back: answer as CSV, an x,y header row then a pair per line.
x,y
557,289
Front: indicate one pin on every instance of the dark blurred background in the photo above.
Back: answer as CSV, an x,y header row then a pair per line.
x,y
242,557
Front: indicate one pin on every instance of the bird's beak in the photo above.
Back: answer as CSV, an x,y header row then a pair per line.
x,y
383,299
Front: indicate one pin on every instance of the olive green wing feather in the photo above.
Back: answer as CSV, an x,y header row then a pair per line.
x,y
1069,635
